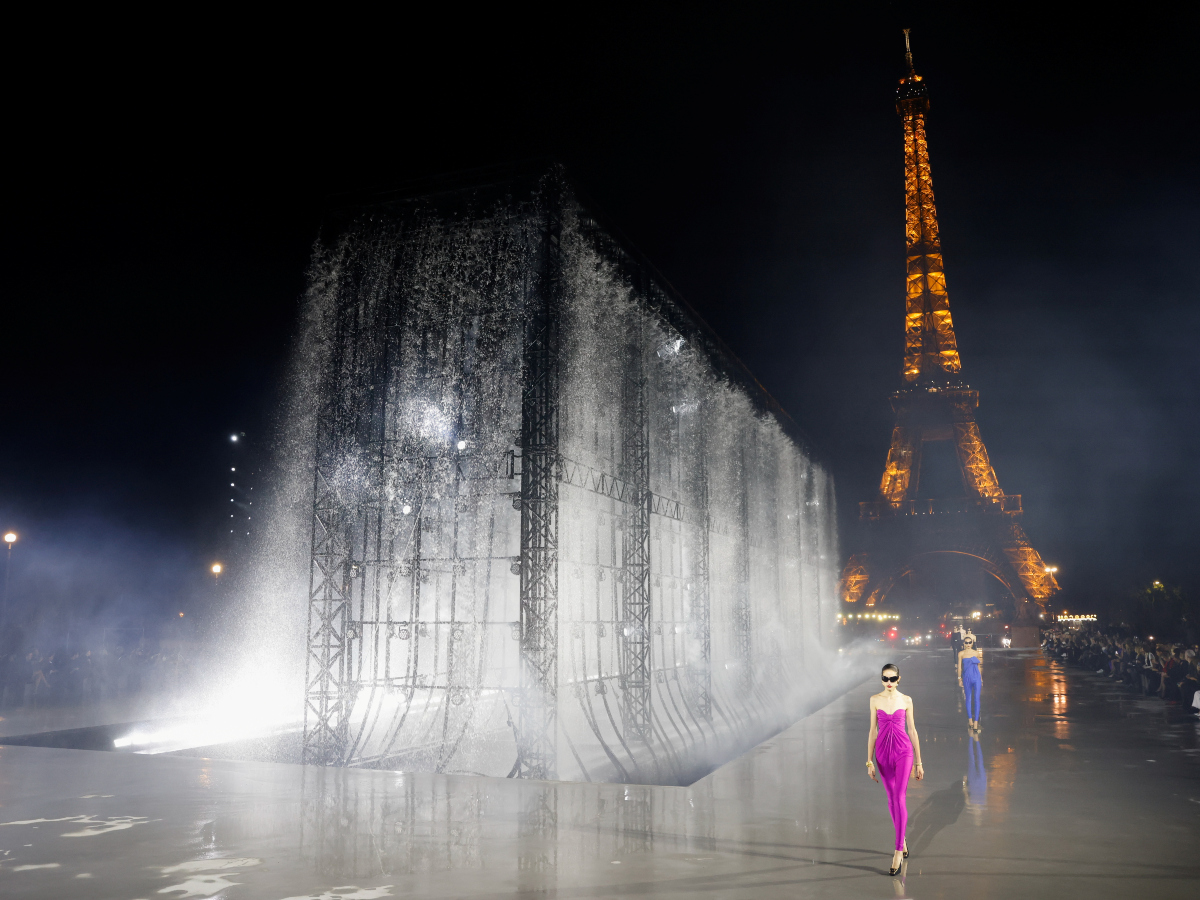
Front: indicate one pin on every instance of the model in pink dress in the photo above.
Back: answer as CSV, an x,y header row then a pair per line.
x,y
892,745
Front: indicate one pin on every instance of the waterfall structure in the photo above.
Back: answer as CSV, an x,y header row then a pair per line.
x,y
558,530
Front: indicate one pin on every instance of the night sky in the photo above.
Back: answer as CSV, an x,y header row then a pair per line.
x,y
161,206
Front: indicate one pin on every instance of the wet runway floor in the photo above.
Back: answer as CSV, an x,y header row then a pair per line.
x,y
1074,789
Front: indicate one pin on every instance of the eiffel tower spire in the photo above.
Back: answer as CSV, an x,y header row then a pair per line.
x,y
930,348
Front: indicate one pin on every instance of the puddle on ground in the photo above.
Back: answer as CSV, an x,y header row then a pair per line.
x,y
94,826
350,892
208,865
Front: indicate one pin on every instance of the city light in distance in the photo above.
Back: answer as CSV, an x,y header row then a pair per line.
x,y
10,538
216,568
233,437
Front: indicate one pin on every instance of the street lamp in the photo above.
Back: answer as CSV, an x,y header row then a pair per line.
x,y
1051,569
216,569
10,538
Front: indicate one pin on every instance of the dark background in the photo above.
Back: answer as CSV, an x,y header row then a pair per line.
x,y
165,182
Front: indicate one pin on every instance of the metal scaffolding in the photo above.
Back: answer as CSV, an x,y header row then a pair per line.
x,y
538,530
537,732
742,616
636,668
699,610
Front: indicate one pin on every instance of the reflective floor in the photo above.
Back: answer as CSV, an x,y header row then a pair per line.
x,y
1074,789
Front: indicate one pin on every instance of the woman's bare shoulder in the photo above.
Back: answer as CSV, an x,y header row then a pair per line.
x,y
874,700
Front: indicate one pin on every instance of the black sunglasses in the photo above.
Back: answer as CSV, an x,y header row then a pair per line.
x,y
892,678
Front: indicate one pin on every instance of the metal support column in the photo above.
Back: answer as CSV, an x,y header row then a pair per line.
x,y
537,725
326,714
699,611
741,600
346,522
636,676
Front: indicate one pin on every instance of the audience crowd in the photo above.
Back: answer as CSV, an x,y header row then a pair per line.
x,y
1167,671
30,678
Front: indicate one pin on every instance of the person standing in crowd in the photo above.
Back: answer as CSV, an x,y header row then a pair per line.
x,y
892,747
956,640
1189,683
970,678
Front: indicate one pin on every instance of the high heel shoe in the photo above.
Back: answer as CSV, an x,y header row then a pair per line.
x,y
896,871
906,849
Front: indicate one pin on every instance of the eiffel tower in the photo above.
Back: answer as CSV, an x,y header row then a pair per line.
x,y
903,533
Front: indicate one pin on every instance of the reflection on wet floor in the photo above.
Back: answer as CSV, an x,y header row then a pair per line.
x,y
1012,811
976,780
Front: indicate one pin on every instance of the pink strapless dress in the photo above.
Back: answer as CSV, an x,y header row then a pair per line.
x,y
894,760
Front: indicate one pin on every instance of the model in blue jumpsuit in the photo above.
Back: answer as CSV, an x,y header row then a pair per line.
x,y
972,682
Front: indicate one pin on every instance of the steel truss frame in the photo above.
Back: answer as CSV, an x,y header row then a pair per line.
x,y
637,676
537,718
342,530
326,717
742,624
699,672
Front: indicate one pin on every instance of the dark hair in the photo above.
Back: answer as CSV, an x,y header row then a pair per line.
x,y
895,668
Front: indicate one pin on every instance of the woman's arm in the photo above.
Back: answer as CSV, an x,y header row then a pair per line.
x,y
872,733
911,719
958,665
979,653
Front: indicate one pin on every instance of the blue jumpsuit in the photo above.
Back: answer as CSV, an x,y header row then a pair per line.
x,y
972,684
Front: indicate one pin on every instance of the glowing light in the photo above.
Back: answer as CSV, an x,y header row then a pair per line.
x,y
407,509
1156,584
1051,569
233,437
181,615
433,424
216,570
462,445
251,704
10,538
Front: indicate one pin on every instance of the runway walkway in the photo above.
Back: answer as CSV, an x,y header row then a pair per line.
x,y
1065,794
